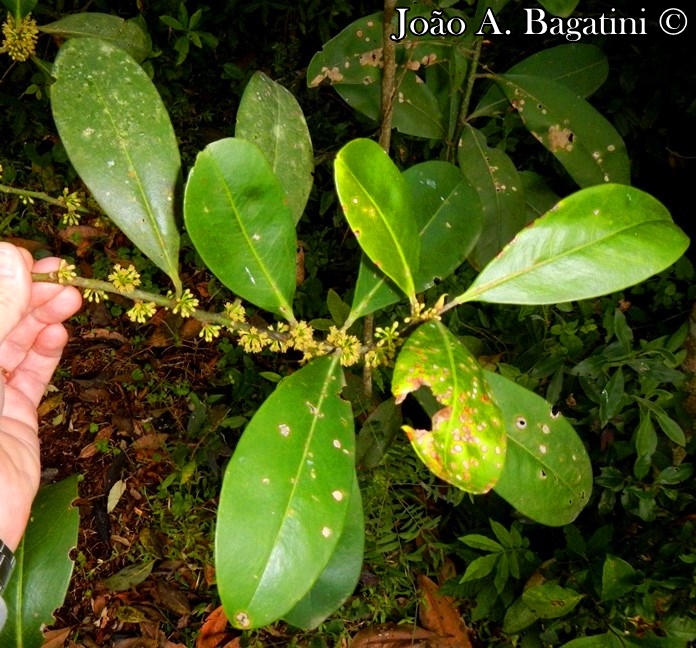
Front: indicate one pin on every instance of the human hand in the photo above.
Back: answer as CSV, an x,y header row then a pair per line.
x,y
32,339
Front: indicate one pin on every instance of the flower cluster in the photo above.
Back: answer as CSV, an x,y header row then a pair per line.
x,y
186,304
348,345
253,340
65,273
235,312
124,279
419,313
141,311
210,331
94,295
385,350
20,37
72,203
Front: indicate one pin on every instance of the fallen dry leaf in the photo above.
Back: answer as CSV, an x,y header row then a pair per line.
x,y
214,630
56,638
439,614
392,636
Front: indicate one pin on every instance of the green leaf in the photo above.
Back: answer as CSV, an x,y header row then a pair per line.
x,y
19,8
495,178
270,117
618,578
596,241
538,196
581,68
120,140
237,216
550,600
580,138
285,496
561,8
449,218
547,474
482,542
126,34
480,567
42,573
130,576
337,582
447,209
376,203
611,397
338,309
466,445
606,640
671,428
518,617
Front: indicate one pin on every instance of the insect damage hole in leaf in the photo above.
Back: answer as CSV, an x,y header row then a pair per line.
x,y
466,445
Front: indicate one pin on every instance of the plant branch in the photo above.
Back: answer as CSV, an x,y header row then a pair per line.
x,y
468,91
40,195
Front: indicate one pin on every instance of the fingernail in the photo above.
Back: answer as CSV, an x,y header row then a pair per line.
x,y
8,262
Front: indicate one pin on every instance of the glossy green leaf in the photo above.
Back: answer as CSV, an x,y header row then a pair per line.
x,y
547,474
126,34
377,204
285,496
19,8
270,117
581,139
498,184
595,241
538,196
561,8
417,114
120,140
466,445
337,582
581,68
42,573
448,216
237,216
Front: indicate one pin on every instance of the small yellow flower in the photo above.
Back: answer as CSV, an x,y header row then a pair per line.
x,y
279,345
235,311
20,37
141,311
253,340
66,272
124,279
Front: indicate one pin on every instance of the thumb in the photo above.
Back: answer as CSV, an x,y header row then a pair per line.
x,y
15,288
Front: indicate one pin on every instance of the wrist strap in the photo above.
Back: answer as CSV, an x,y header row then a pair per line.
x,y
7,563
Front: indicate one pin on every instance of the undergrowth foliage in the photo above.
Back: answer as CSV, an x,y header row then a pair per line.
x,y
290,527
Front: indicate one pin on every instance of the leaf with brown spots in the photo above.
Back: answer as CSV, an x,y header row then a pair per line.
x,y
439,614
582,140
467,443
